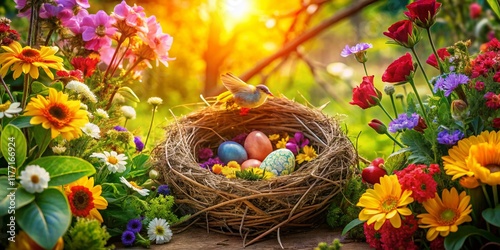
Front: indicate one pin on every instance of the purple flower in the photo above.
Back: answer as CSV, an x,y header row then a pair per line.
x,y
139,145
70,4
297,142
74,23
448,137
97,30
120,128
240,138
205,153
210,162
134,225
360,47
128,238
404,122
448,83
163,189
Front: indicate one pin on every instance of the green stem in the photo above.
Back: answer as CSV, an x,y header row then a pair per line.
x,y
394,139
26,88
483,186
394,106
385,111
438,60
125,124
421,68
495,195
7,89
410,80
366,71
150,126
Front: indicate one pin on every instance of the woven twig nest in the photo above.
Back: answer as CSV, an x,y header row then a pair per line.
x,y
254,209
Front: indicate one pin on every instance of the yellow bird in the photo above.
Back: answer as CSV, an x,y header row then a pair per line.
x,y
242,94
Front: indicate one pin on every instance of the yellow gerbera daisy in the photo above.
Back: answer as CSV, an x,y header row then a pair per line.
x,y
484,162
85,198
308,155
58,114
385,201
445,215
461,161
27,60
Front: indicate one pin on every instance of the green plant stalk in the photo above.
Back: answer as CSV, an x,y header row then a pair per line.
x,y
410,80
394,106
421,68
366,71
438,60
26,87
150,126
7,89
483,186
125,123
383,109
394,139
495,195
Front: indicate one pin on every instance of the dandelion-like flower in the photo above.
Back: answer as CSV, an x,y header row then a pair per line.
x,y
58,114
92,130
159,231
155,101
115,162
134,186
27,60
34,179
83,89
8,109
128,112
385,201
308,155
84,198
444,215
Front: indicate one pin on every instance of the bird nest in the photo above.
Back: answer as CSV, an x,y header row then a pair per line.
x,y
254,209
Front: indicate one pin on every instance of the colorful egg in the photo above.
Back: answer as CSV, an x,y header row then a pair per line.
x,y
231,151
279,162
250,163
257,145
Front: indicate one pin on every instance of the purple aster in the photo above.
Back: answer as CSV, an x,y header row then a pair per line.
x,y
97,30
448,83
297,142
448,137
139,145
360,47
128,238
404,122
120,128
163,189
70,4
205,153
210,162
134,225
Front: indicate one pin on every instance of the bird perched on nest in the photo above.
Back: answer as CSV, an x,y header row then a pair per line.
x,y
242,94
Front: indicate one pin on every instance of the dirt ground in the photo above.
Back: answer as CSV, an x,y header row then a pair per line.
x,y
199,238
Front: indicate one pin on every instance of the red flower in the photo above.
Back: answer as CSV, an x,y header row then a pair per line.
x,y
402,33
85,64
366,95
423,12
418,179
399,70
378,126
389,237
442,53
496,123
475,10
492,100
421,126
437,244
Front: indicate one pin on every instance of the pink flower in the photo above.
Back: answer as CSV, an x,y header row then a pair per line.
x,y
71,4
475,10
492,100
418,179
129,20
97,30
74,23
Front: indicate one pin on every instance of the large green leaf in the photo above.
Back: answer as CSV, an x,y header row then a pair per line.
x,y
22,121
42,138
12,197
492,215
455,241
351,225
14,146
495,6
47,218
64,169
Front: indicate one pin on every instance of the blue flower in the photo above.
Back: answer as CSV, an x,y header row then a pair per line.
x,y
128,238
163,189
404,122
139,145
448,137
134,225
360,47
448,83
120,128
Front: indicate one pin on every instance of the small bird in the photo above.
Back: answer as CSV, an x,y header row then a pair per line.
x,y
242,94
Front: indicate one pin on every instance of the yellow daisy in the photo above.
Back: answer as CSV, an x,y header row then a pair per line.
x,y
445,215
85,198
308,155
461,162
58,114
282,143
27,60
385,201
484,162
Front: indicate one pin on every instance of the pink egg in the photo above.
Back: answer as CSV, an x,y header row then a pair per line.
x,y
257,145
250,163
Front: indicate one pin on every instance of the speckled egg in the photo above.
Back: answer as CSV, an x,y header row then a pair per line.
x,y
231,151
279,162
257,145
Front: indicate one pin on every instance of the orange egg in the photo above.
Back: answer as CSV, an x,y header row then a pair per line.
x,y
250,163
257,145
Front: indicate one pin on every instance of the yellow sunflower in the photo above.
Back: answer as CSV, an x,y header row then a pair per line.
x,y
85,198
58,114
385,201
467,159
27,60
445,215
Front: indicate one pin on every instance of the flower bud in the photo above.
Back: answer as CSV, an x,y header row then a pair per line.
x,y
153,174
389,89
361,56
378,126
475,10
459,110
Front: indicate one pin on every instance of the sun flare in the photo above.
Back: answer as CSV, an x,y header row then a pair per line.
x,y
237,9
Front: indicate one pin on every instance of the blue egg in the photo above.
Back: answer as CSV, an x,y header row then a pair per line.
x,y
232,151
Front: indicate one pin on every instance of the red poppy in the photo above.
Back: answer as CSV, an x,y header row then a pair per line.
x,y
423,12
402,33
442,53
366,95
399,70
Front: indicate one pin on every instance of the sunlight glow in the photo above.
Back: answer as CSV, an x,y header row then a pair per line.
x,y
237,9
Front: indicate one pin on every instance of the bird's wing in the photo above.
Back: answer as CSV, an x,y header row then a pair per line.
x,y
235,84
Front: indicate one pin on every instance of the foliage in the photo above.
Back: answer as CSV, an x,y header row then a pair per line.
x,y
87,234
335,245
162,206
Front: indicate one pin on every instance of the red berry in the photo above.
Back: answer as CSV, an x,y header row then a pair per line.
x,y
377,162
372,174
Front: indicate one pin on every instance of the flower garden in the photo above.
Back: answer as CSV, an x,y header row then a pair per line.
x,y
249,162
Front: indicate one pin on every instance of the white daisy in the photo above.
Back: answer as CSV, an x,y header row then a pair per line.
x,y
128,112
115,162
8,109
159,231
155,101
82,89
101,113
34,179
134,186
92,130
59,149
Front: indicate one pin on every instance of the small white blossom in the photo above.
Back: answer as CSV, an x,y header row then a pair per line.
x,y
8,109
128,112
132,185
59,149
155,101
92,130
83,89
101,113
34,179
159,231
84,106
115,162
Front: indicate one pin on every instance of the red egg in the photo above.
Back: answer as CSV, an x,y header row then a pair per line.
x,y
257,145
250,163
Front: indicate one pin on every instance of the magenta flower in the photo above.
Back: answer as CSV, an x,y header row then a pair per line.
x,y
48,11
492,100
74,23
159,42
297,142
70,4
97,30
133,17
20,6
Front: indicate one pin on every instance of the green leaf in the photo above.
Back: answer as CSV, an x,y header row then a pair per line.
x,y
351,225
39,88
42,138
128,94
456,240
14,146
22,122
396,161
47,218
140,160
419,147
64,169
491,215
495,6
58,86
9,193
